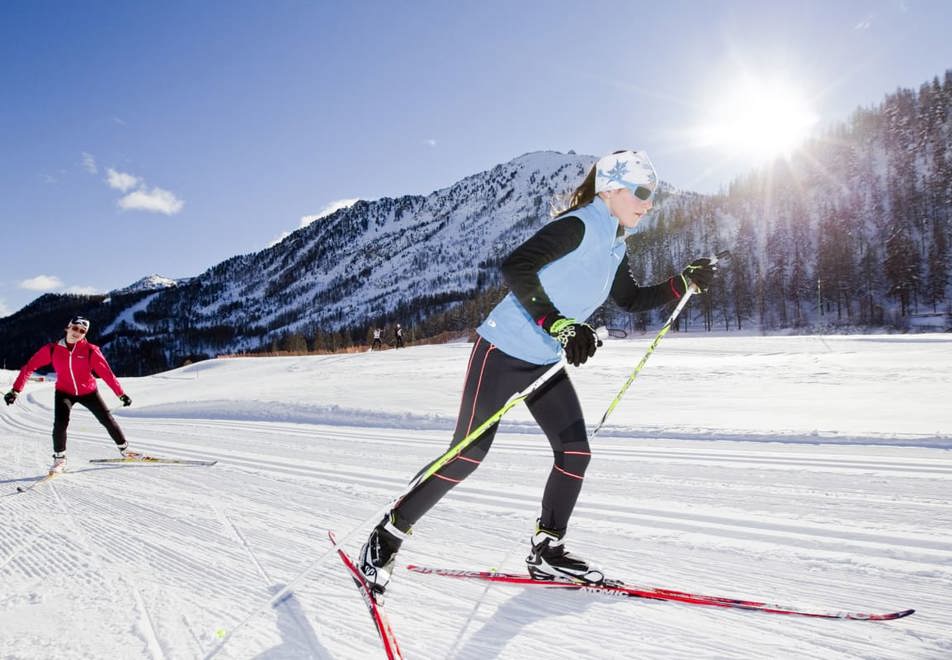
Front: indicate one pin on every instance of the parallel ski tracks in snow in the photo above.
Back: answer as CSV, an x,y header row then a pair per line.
x,y
306,470
607,448
482,490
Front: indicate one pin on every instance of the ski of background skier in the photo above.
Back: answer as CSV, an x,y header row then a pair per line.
x,y
618,589
151,460
374,607
141,459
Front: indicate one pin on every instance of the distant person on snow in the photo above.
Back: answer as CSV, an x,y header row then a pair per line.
x,y
557,278
77,364
376,343
398,336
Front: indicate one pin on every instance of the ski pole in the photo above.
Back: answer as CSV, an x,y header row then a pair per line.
x,y
691,290
458,447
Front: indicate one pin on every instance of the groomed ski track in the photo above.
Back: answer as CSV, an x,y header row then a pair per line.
x,y
723,495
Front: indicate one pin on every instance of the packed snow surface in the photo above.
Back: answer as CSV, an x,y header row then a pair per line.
x,y
806,471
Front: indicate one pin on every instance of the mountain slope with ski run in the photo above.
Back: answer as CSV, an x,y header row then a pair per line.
x,y
807,471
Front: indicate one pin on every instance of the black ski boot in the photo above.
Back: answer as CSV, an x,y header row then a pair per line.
x,y
378,553
549,560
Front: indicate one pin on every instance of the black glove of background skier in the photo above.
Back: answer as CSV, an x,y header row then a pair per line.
x,y
700,271
10,397
578,340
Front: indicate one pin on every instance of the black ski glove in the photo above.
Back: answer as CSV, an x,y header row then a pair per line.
x,y
699,272
10,397
126,401
578,340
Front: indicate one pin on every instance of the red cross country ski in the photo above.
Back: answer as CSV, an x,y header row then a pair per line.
x,y
373,606
618,589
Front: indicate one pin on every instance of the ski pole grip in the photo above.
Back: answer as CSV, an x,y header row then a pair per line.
x,y
723,254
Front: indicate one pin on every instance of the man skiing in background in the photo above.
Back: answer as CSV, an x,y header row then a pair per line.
x,y
376,343
398,336
77,363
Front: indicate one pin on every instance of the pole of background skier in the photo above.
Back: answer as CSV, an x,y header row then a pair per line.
x,y
691,290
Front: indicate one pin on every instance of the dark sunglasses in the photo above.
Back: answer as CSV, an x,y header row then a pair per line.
x,y
643,193
78,328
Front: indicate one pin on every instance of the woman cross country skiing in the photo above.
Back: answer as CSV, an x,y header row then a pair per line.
x,y
77,363
557,278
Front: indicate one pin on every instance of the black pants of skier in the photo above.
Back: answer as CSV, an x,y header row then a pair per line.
x,y
62,407
492,377
376,344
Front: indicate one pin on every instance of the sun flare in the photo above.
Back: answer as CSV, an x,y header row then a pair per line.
x,y
758,119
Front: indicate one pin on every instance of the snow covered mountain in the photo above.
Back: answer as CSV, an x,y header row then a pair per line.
x,y
368,260
373,262
149,283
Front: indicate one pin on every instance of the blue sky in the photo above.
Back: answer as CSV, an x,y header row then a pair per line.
x,y
164,137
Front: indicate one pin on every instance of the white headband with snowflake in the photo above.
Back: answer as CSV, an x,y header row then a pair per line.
x,y
627,169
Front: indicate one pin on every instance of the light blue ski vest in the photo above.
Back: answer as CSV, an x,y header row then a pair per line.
x,y
577,284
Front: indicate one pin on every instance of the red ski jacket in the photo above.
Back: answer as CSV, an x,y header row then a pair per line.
x,y
76,370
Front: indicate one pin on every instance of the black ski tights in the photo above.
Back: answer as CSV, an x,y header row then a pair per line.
x,y
63,406
491,378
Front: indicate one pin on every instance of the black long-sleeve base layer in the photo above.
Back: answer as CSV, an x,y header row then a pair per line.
x,y
492,377
63,406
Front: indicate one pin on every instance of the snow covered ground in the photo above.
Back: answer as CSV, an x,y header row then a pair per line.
x,y
810,471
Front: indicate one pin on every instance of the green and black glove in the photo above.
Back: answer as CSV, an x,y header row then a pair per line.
x,y
578,340
10,397
699,272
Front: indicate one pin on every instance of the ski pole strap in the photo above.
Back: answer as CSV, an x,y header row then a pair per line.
x,y
474,435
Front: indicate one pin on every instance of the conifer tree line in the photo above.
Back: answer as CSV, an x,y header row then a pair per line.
x,y
852,230
428,319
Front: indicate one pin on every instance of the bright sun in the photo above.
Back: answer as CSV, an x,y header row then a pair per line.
x,y
756,119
